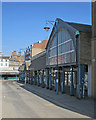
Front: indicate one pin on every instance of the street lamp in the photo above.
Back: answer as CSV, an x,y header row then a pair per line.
x,y
30,58
47,28
25,65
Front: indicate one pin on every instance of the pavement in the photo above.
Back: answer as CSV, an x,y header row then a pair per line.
x,y
81,106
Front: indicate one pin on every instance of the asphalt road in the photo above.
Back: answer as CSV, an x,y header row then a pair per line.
x,y
20,103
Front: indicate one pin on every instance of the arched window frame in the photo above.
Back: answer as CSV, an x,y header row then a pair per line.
x,y
71,31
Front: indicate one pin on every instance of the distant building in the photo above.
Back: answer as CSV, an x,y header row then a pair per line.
x,y
5,70
9,65
16,60
4,61
37,70
39,47
31,52
35,49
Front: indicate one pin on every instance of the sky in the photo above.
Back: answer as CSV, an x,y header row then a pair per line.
x,y
23,22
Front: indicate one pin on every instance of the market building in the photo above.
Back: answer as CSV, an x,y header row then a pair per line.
x,y
74,57
74,46
37,69
30,53
74,60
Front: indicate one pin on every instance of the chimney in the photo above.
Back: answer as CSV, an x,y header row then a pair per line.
x,y
14,53
39,41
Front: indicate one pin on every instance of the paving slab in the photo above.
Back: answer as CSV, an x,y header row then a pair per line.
x,y
82,106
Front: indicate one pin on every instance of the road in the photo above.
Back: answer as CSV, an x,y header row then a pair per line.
x,y
20,103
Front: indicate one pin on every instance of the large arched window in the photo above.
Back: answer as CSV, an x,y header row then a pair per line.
x,y
66,51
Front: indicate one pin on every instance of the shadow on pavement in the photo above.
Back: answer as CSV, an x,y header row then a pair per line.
x,y
52,100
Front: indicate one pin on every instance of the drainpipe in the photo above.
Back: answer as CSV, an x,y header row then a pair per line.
x,y
47,82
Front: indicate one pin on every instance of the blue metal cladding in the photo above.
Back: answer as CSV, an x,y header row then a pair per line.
x,y
38,78
32,78
80,81
63,80
82,78
47,81
72,86
50,79
35,78
42,78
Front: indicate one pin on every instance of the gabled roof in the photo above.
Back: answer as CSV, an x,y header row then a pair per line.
x,y
41,45
81,27
74,26
77,26
39,62
38,55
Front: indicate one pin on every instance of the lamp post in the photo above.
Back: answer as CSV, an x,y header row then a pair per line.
x,y
47,28
25,66
30,80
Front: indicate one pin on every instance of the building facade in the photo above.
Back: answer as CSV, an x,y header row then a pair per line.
x,y
4,65
9,65
37,70
74,59
30,53
4,61
39,47
93,52
6,72
16,60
